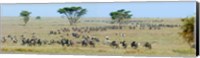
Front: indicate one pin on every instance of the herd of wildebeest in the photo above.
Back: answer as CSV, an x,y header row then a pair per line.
x,y
86,40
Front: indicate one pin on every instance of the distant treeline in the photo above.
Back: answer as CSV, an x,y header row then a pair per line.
x,y
130,21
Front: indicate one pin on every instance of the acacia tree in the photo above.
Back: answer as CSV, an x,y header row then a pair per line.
x,y
188,30
73,14
120,16
25,15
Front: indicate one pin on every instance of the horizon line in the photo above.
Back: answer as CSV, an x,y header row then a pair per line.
x,y
101,17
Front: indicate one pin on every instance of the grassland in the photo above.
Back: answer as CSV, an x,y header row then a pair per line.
x,y
167,41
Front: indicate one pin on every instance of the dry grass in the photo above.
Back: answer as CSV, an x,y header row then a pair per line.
x,y
168,42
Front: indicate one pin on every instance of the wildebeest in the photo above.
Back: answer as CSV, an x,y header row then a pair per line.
x,y
51,32
95,39
39,42
114,44
27,41
14,40
147,45
9,36
24,41
124,44
65,30
32,42
134,44
84,42
3,39
91,43
132,27
66,42
76,35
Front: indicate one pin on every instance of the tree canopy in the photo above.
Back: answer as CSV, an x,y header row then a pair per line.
x,y
73,14
188,30
120,15
25,15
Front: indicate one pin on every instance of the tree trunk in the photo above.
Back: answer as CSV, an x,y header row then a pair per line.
x,y
120,25
74,23
26,19
71,23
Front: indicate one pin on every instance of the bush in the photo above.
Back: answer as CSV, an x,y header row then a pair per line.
x,y
38,17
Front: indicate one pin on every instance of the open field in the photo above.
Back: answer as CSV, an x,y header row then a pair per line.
x,y
167,42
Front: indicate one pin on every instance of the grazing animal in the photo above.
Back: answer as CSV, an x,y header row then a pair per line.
x,y
91,43
124,44
64,42
114,44
84,42
55,33
76,35
147,45
134,45
95,39
39,42
9,36
3,40
32,42
70,43
24,41
51,32
28,41
15,40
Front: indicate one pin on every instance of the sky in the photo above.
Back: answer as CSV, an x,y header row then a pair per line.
x,y
138,9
